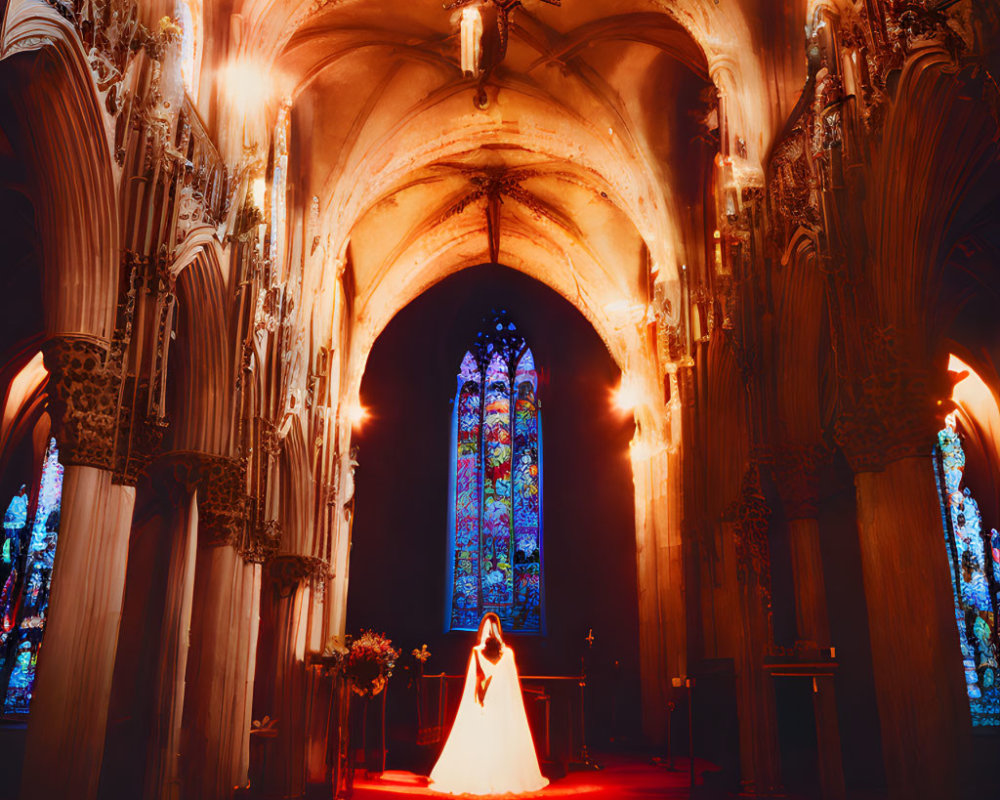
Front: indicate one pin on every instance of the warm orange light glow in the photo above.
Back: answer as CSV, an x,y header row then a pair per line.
x,y
628,396
357,414
976,401
472,40
259,191
971,387
248,85
189,18
32,375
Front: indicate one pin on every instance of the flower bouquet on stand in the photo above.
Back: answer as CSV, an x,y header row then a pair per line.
x,y
369,663
368,666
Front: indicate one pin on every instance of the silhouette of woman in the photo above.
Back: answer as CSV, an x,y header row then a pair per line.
x,y
489,749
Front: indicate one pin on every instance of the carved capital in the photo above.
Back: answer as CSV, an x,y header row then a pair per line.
x,y
894,410
222,502
286,572
83,394
796,474
221,485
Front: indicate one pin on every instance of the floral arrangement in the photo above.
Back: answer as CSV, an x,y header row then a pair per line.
x,y
369,663
422,654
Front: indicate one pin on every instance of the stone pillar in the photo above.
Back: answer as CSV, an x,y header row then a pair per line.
x,y
653,673
72,691
162,776
759,752
796,476
888,436
221,658
285,610
142,745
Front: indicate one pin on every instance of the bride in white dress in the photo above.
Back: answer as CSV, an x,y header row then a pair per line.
x,y
489,749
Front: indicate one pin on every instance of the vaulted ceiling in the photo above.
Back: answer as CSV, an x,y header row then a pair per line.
x,y
586,164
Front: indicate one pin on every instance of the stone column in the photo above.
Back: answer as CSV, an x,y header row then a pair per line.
x,y
162,777
142,745
888,435
654,675
285,610
72,690
221,658
759,752
796,476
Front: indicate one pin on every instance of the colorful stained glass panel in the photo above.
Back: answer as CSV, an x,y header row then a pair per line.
x,y
465,594
496,561
974,560
527,551
24,602
497,571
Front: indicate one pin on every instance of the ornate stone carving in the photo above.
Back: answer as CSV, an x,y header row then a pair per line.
x,y
221,485
796,468
882,42
205,187
139,436
263,543
287,571
792,192
175,475
83,395
752,516
111,35
133,267
891,404
270,441
826,122
222,502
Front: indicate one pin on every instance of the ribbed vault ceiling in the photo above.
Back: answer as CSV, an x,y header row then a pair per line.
x,y
591,144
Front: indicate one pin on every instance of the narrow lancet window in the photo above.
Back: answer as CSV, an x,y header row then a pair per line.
x,y
974,558
495,558
26,560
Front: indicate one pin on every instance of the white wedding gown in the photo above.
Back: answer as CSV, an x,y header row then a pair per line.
x,y
489,750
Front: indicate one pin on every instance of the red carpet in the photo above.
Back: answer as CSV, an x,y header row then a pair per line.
x,y
621,778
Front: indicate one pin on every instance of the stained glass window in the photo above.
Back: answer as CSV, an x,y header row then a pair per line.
x,y
188,14
974,558
26,559
496,484
279,189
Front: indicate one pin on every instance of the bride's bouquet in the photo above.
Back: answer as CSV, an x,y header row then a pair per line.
x,y
369,663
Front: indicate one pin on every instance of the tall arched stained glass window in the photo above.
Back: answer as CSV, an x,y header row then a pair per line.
x,y
279,190
189,16
495,558
26,558
974,558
